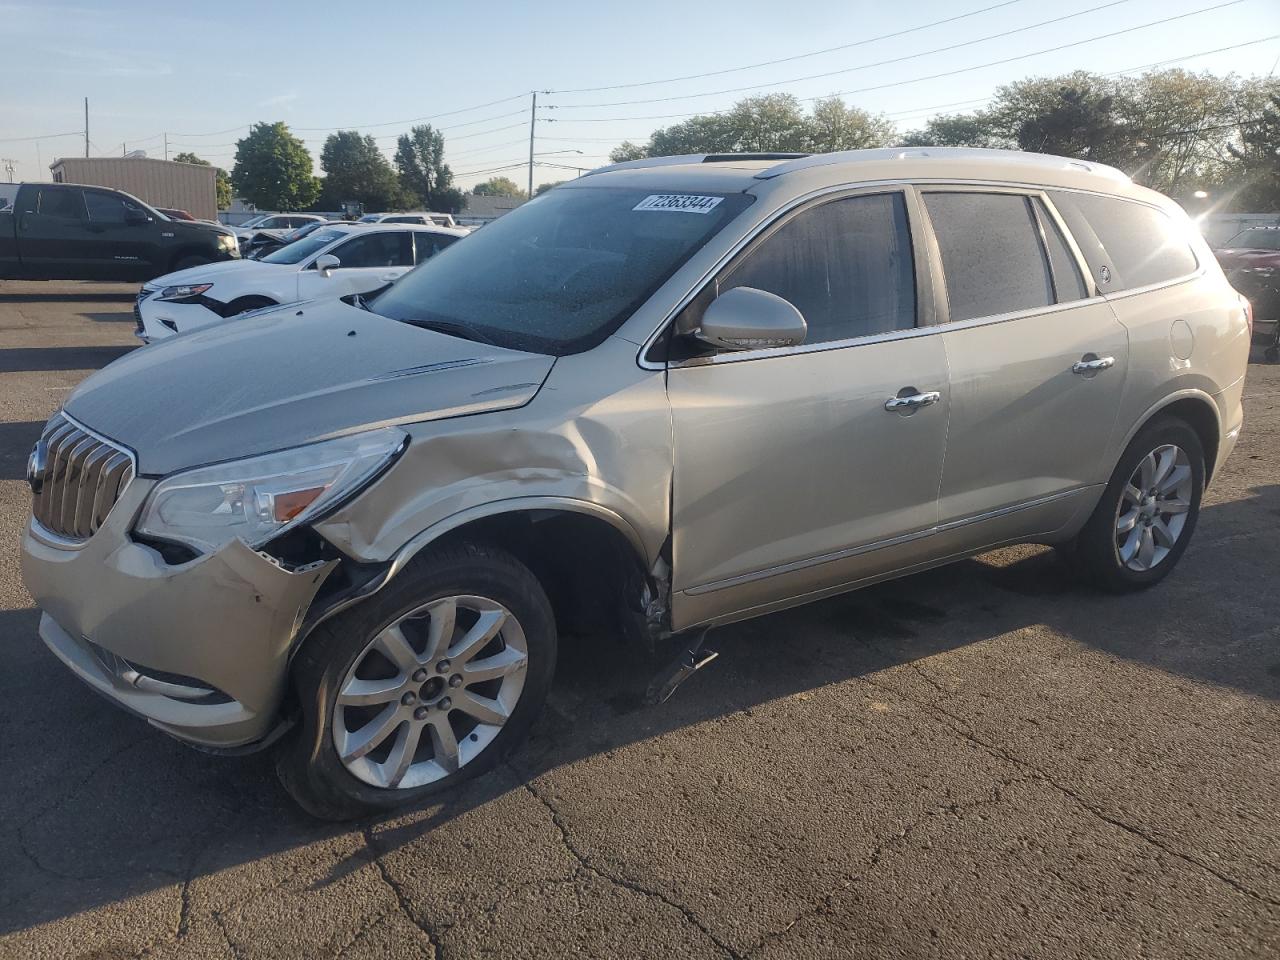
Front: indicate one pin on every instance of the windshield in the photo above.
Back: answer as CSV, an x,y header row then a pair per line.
x,y
252,222
1257,239
369,218
299,250
560,273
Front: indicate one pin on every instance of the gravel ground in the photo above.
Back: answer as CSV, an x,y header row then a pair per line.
x,y
981,761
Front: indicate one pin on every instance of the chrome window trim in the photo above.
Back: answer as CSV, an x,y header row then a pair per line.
x,y
918,218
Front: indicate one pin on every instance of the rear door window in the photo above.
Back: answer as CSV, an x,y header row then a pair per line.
x,y
62,203
1068,283
991,252
1143,245
375,250
427,245
846,265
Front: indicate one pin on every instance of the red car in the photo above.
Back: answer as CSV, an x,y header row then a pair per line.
x,y
175,214
1251,261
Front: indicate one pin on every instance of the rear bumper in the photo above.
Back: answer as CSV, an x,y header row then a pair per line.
x,y
200,649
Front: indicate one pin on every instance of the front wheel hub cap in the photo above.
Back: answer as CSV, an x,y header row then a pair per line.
x,y
393,739
1152,513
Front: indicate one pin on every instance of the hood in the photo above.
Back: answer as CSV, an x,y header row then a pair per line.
x,y
292,376
199,226
211,272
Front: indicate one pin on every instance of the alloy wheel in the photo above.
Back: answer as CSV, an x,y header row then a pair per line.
x,y
1153,507
430,692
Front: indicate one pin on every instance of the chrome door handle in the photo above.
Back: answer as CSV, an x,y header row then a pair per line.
x,y
912,401
1093,366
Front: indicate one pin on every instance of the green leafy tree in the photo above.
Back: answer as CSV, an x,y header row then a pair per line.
x,y
1257,155
776,122
222,183
273,169
955,130
544,187
498,187
424,175
355,169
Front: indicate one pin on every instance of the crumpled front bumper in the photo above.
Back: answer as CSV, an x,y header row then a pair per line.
x,y
144,633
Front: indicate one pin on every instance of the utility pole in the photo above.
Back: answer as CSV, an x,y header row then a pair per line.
x,y
533,118
86,127
166,144
8,168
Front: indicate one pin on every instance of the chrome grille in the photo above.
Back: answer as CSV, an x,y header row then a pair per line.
x,y
76,479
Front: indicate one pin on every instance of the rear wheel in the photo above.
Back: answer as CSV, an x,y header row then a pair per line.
x,y
245,304
193,260
1148,512
426,684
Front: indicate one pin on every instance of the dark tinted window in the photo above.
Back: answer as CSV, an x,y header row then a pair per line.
x,y
406,219
62,203
1067,281
1256,239
1143,245
375,250
563,271
991,253
845,265
429,244
300,249
105,207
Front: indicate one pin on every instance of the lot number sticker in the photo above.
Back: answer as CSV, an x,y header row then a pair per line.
x,y
678,203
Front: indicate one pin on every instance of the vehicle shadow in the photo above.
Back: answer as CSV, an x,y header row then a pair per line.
x,y
16,441
115,316
37,359
111,809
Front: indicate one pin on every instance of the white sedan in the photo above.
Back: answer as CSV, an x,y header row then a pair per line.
x,y
330,262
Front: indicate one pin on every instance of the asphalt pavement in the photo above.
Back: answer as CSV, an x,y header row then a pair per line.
x,y
987,760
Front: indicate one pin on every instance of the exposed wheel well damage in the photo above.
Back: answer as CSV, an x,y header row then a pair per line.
x,y
595,579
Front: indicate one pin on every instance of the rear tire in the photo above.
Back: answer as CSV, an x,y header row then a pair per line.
x,y
1147,514
385,724
245,304
185,263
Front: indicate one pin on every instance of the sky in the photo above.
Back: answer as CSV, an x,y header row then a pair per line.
x,y
202,73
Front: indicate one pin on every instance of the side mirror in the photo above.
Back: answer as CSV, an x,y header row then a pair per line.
x,y
327,264
745,318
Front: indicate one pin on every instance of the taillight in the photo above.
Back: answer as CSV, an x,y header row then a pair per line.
x,y
1248,314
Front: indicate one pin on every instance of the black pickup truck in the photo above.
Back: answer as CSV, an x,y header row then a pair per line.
x,y
63,231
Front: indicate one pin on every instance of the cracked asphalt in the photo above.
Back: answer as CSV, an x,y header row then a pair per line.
x,y
982,761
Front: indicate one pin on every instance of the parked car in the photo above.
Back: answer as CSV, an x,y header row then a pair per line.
x,y
412,216
175,214
669,395
275,223
329,262
1251,260
63,231
264,243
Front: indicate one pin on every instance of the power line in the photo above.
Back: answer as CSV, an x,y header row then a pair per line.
x,y
864,66
932,76
799,56
47,136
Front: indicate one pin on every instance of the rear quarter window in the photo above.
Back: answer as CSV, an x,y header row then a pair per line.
x,y
1137,245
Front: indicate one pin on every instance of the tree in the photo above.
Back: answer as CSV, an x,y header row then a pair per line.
x,y
498,187
544,187
221,183
423,173
771,123
273,169
1257,155
355,169
955,130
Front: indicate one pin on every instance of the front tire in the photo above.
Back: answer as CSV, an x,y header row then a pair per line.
x,y
428,683
1147,514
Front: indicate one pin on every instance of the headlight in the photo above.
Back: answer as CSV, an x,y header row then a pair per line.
x,y
261,497
184,290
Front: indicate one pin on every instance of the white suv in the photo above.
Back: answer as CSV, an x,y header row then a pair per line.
x,y
329,262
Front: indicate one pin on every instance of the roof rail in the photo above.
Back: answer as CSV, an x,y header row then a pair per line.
x,y
649,162
730,157
955,153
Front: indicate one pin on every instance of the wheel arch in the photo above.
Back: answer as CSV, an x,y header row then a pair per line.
x,y
588,558
1198,410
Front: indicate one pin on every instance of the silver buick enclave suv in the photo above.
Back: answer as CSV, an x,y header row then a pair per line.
x,y
669,395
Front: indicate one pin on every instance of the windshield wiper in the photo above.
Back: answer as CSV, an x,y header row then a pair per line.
x,y
453,330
